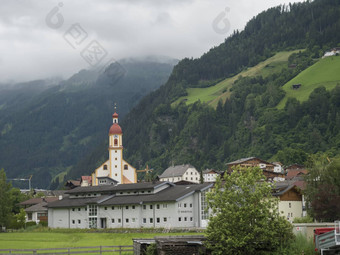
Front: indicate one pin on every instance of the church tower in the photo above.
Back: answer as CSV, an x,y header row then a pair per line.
x,y
116,150
115,170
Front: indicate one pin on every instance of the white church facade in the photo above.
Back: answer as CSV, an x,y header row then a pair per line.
x,y
115,170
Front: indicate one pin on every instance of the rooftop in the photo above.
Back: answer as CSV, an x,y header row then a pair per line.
x,y
175,171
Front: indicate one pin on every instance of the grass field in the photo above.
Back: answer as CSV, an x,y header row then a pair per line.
x,y
61,239
221,91
325,72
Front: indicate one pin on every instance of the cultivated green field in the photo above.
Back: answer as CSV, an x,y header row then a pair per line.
x,y
61,239
325,72
221,91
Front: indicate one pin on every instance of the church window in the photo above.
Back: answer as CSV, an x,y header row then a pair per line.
x,y
126,167
115,166
116,142
105,167
115,158
115,151
116,174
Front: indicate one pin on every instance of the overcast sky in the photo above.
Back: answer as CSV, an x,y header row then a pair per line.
x,y
44,38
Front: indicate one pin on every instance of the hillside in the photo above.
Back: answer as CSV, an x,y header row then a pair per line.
x,y
221,91
323,73
44,131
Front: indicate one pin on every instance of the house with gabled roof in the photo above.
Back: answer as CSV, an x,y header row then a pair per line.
x,y
180,173
210,175
290,200
159,204
267,167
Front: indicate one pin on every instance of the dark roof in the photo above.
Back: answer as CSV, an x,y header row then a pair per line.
x,y
76,202
120,187
172,193
37,208
37,200
242,160
174,171
281,189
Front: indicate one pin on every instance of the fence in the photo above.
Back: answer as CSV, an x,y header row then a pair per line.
x,y
121,250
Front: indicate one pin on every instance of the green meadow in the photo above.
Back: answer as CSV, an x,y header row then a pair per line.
x,y
325,72
72,238
221,91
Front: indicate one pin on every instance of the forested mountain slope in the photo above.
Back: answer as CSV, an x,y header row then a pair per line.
x,y
160,130
44,132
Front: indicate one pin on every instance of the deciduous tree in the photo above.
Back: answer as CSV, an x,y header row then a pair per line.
x,y
244,215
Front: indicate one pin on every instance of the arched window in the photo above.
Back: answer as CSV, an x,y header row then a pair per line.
x,y
126,167
105,167
116,142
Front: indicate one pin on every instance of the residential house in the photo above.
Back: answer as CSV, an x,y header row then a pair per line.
x,y
268,168
36,209
86,181
210,175
160,204
180,173
290,200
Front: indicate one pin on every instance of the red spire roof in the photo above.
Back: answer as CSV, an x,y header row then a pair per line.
x,y
115,115
115,129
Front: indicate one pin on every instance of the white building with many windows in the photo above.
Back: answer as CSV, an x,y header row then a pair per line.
x,y
180,173
160,204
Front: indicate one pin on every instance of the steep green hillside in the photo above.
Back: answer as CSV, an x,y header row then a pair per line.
x,y
159,133
221,91
323,73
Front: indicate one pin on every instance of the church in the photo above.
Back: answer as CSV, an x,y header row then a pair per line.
x,y
115,170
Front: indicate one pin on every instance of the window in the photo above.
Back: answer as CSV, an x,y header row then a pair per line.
x,y
204,206
185,205
119,220
190,205
185,218
115,151
158,220
92,210
92,222
127,207
112,207
127,220
186,178
79,209
290,205
165,219
113,220
105,167
105,208
73,209
79,221
115,166
157,206
144,220
73,221
29,216
191,219
165,206
191,178
133,220
179,218
151,207
126,167
151,220
144,207
116,142
116,174
133,207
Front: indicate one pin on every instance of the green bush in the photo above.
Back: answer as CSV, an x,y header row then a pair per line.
x,y
151,250
306,219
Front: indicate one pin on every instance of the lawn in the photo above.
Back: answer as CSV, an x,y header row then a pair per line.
x,y
221,91
323,73
61,239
